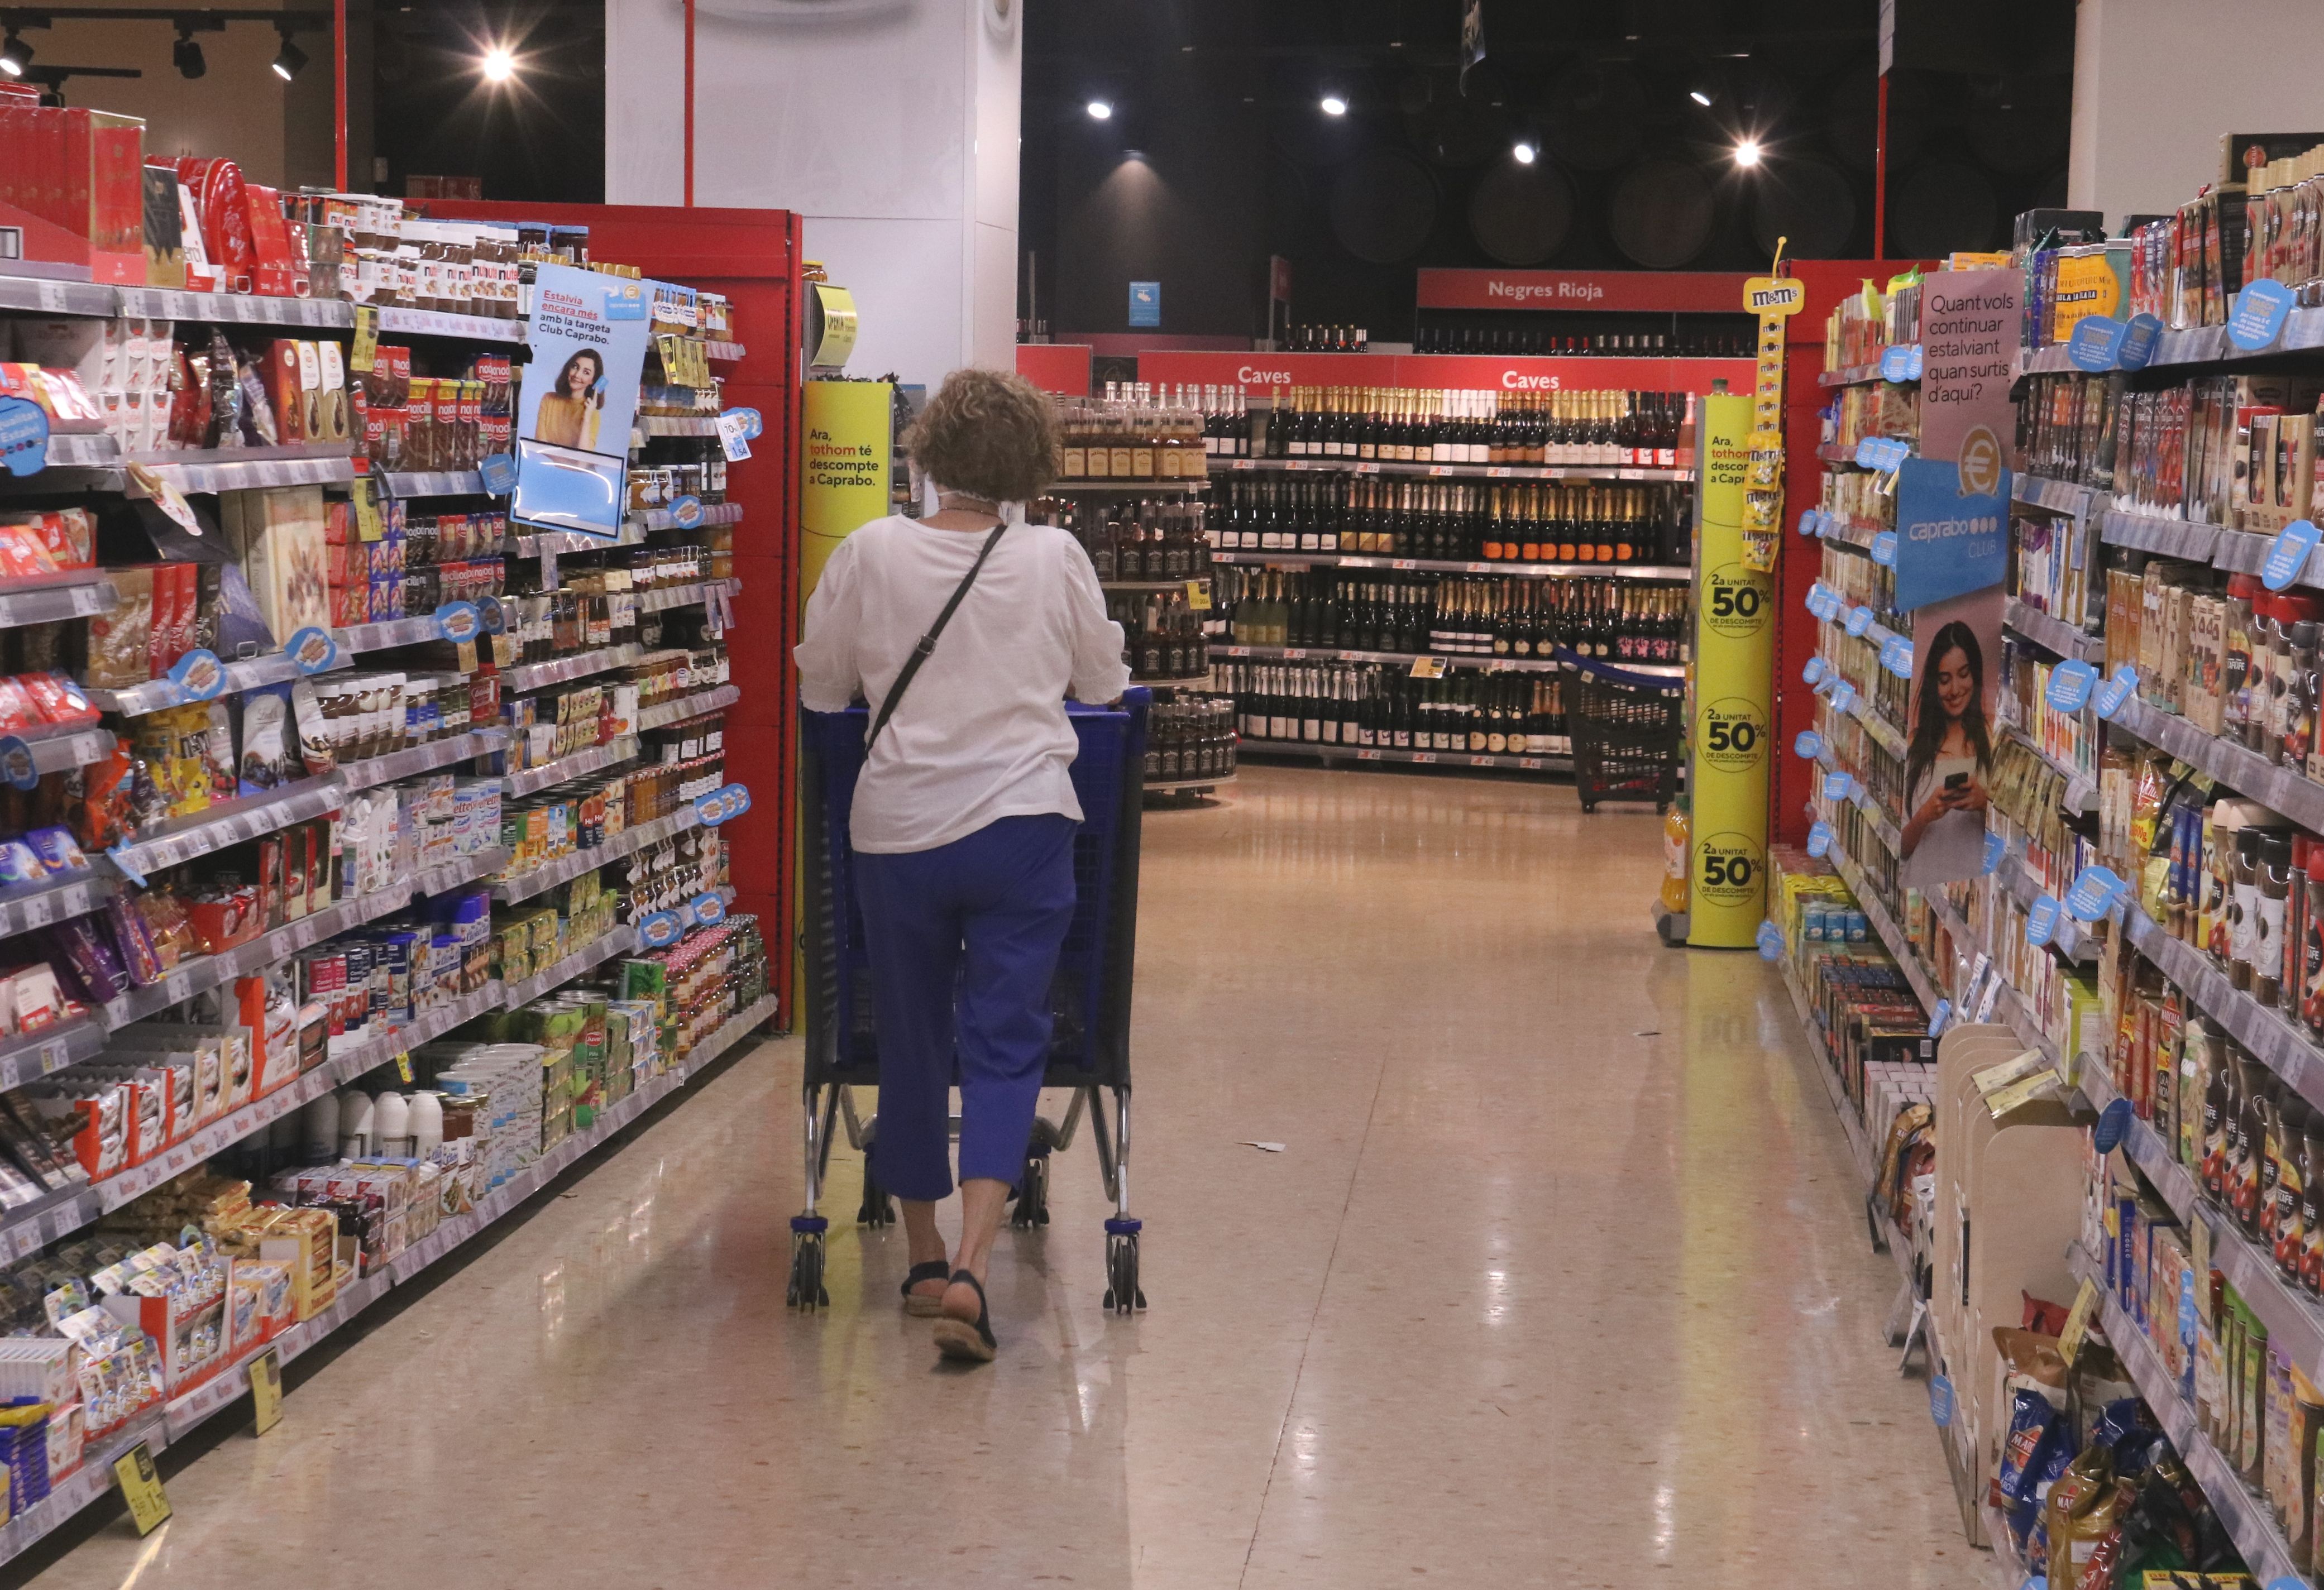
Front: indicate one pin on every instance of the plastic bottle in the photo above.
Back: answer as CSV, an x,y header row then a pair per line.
x,y
394,1126
318,1130
356,1125
427,1123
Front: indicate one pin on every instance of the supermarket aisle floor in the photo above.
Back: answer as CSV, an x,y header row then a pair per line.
x,y
1558,1281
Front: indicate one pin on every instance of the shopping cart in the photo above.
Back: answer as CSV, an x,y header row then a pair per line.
x,y
1089,1051
1625,735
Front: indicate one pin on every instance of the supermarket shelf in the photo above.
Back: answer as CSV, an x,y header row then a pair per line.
x,y
55,753
80,450
660,518
436,482
669,597
1145,486
275,667
2245,552
1900,948
727,351
1858,533
2081,789
36,904
621,940
1853,375
1202,682
1477,472
531,677
1339,753
421,758
1491,665
85,1484
1180,584
459,872
2009,1005
560,542
36,1054
1862,1149
2069,938
2246,772
1834,454
595,758
252,468
478,328
1440,566
689,706
2294,1321
565,868
2143,1145
2304,328
46,601
1863,802
231,308
231,822
386,634
2276,1041
44,297
672,424
2173,538
2052,633
2249,1520
1182,786
2055,495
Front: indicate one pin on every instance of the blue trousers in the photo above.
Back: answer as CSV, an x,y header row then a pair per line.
x,y
963,942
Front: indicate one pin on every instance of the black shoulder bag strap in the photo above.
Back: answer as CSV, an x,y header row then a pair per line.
x,y
929,642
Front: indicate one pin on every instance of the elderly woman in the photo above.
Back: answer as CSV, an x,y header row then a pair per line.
x,y
965,815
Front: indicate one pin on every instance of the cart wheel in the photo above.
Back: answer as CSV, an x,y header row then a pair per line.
x,y
805,1291
1032,1194
1122,1292
878,1208
1589,805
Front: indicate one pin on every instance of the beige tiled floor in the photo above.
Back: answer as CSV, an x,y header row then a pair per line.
x,y
1558,1281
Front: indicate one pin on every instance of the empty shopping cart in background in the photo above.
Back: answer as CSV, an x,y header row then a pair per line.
x,y
1089,1051
1626,734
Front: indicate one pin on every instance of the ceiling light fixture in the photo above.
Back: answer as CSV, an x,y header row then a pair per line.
x,y
1099,110
499,64
1700,98
1523,154
290,60
1746,153
16,55
1334,105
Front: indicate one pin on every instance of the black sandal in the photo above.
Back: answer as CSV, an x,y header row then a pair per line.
x,y
916,1305
957,1338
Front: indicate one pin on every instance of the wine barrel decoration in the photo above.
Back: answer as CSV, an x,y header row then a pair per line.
x,y
1593,114
1448,127
1944,205
1521,214
2016,128
1809,203
1383,207
1852,120
1660,213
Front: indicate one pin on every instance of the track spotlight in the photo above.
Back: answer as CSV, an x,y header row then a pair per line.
x,y
16,55
290,58
186,55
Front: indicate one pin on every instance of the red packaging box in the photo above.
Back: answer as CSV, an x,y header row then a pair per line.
x,y
275,271
282,388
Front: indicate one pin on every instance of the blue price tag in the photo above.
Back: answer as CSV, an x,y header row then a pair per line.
x,y
24,436
2187,1307
1896,363
459,620
2287,555
121,864
499,475
1835,787
312,650
1868,453
1809,744
1941,1400
1938,1018
2095,342
2141,336
1995,847
2071,682
1771,941
662,928
199,674
1808,518
709,909
1812,671
723,805
2093,894
2114,1125
1843,696
1884,549
1894,452
2259,315
1897,655
752,424
2042,918
1859,619
495,615
1917,362
16,763
685,513
1820,839
2116,692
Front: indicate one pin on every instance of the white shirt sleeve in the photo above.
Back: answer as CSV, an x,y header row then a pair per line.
x,y
829,677
1099,674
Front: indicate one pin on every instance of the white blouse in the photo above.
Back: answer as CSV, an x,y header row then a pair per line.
x,y
982,734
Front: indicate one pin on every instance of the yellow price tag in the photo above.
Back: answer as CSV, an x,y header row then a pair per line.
x,y
1428,667
1198,595
266,1390
367,523
365,354
404,1058
141,1488
2077,1321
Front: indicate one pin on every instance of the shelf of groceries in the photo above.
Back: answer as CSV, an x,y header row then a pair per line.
x,y
230,1381
1563,662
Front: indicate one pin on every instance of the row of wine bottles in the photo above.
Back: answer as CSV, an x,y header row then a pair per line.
x,y
1374,516
1616,620
1418,425
1189,738
1691,343
1164,637
1365,705
1141,539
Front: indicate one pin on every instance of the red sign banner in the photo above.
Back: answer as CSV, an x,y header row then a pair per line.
x,y
1689,291
1455,371
1063,368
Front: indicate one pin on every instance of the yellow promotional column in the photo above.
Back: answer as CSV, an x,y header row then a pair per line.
x,y
1731,718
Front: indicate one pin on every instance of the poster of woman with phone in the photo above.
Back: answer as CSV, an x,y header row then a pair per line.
x,y
570,410
1949,760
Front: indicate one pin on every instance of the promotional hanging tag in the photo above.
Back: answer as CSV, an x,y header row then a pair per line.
x,y
709,909
1819,840
2287,555
2094,344
2118,692
661,929
16,764
2042,921
1835,786
198,676
365,352
24,436
141,1488
1811,670
1938,1018
499,474
1809,745
2071,682
1995,847
1884,549
1859,619
1897,655
312,650
2141,336
2259,315
2093,894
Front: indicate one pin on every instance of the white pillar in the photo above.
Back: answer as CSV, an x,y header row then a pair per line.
x,y
2157,82
890,125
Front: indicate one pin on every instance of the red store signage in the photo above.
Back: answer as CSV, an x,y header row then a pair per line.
x,y
1691,291
1262,373
1055,367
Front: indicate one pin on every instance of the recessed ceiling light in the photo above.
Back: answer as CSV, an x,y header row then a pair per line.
x,y
1523,155
1699,96
1100,110
1334,105
1746,153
